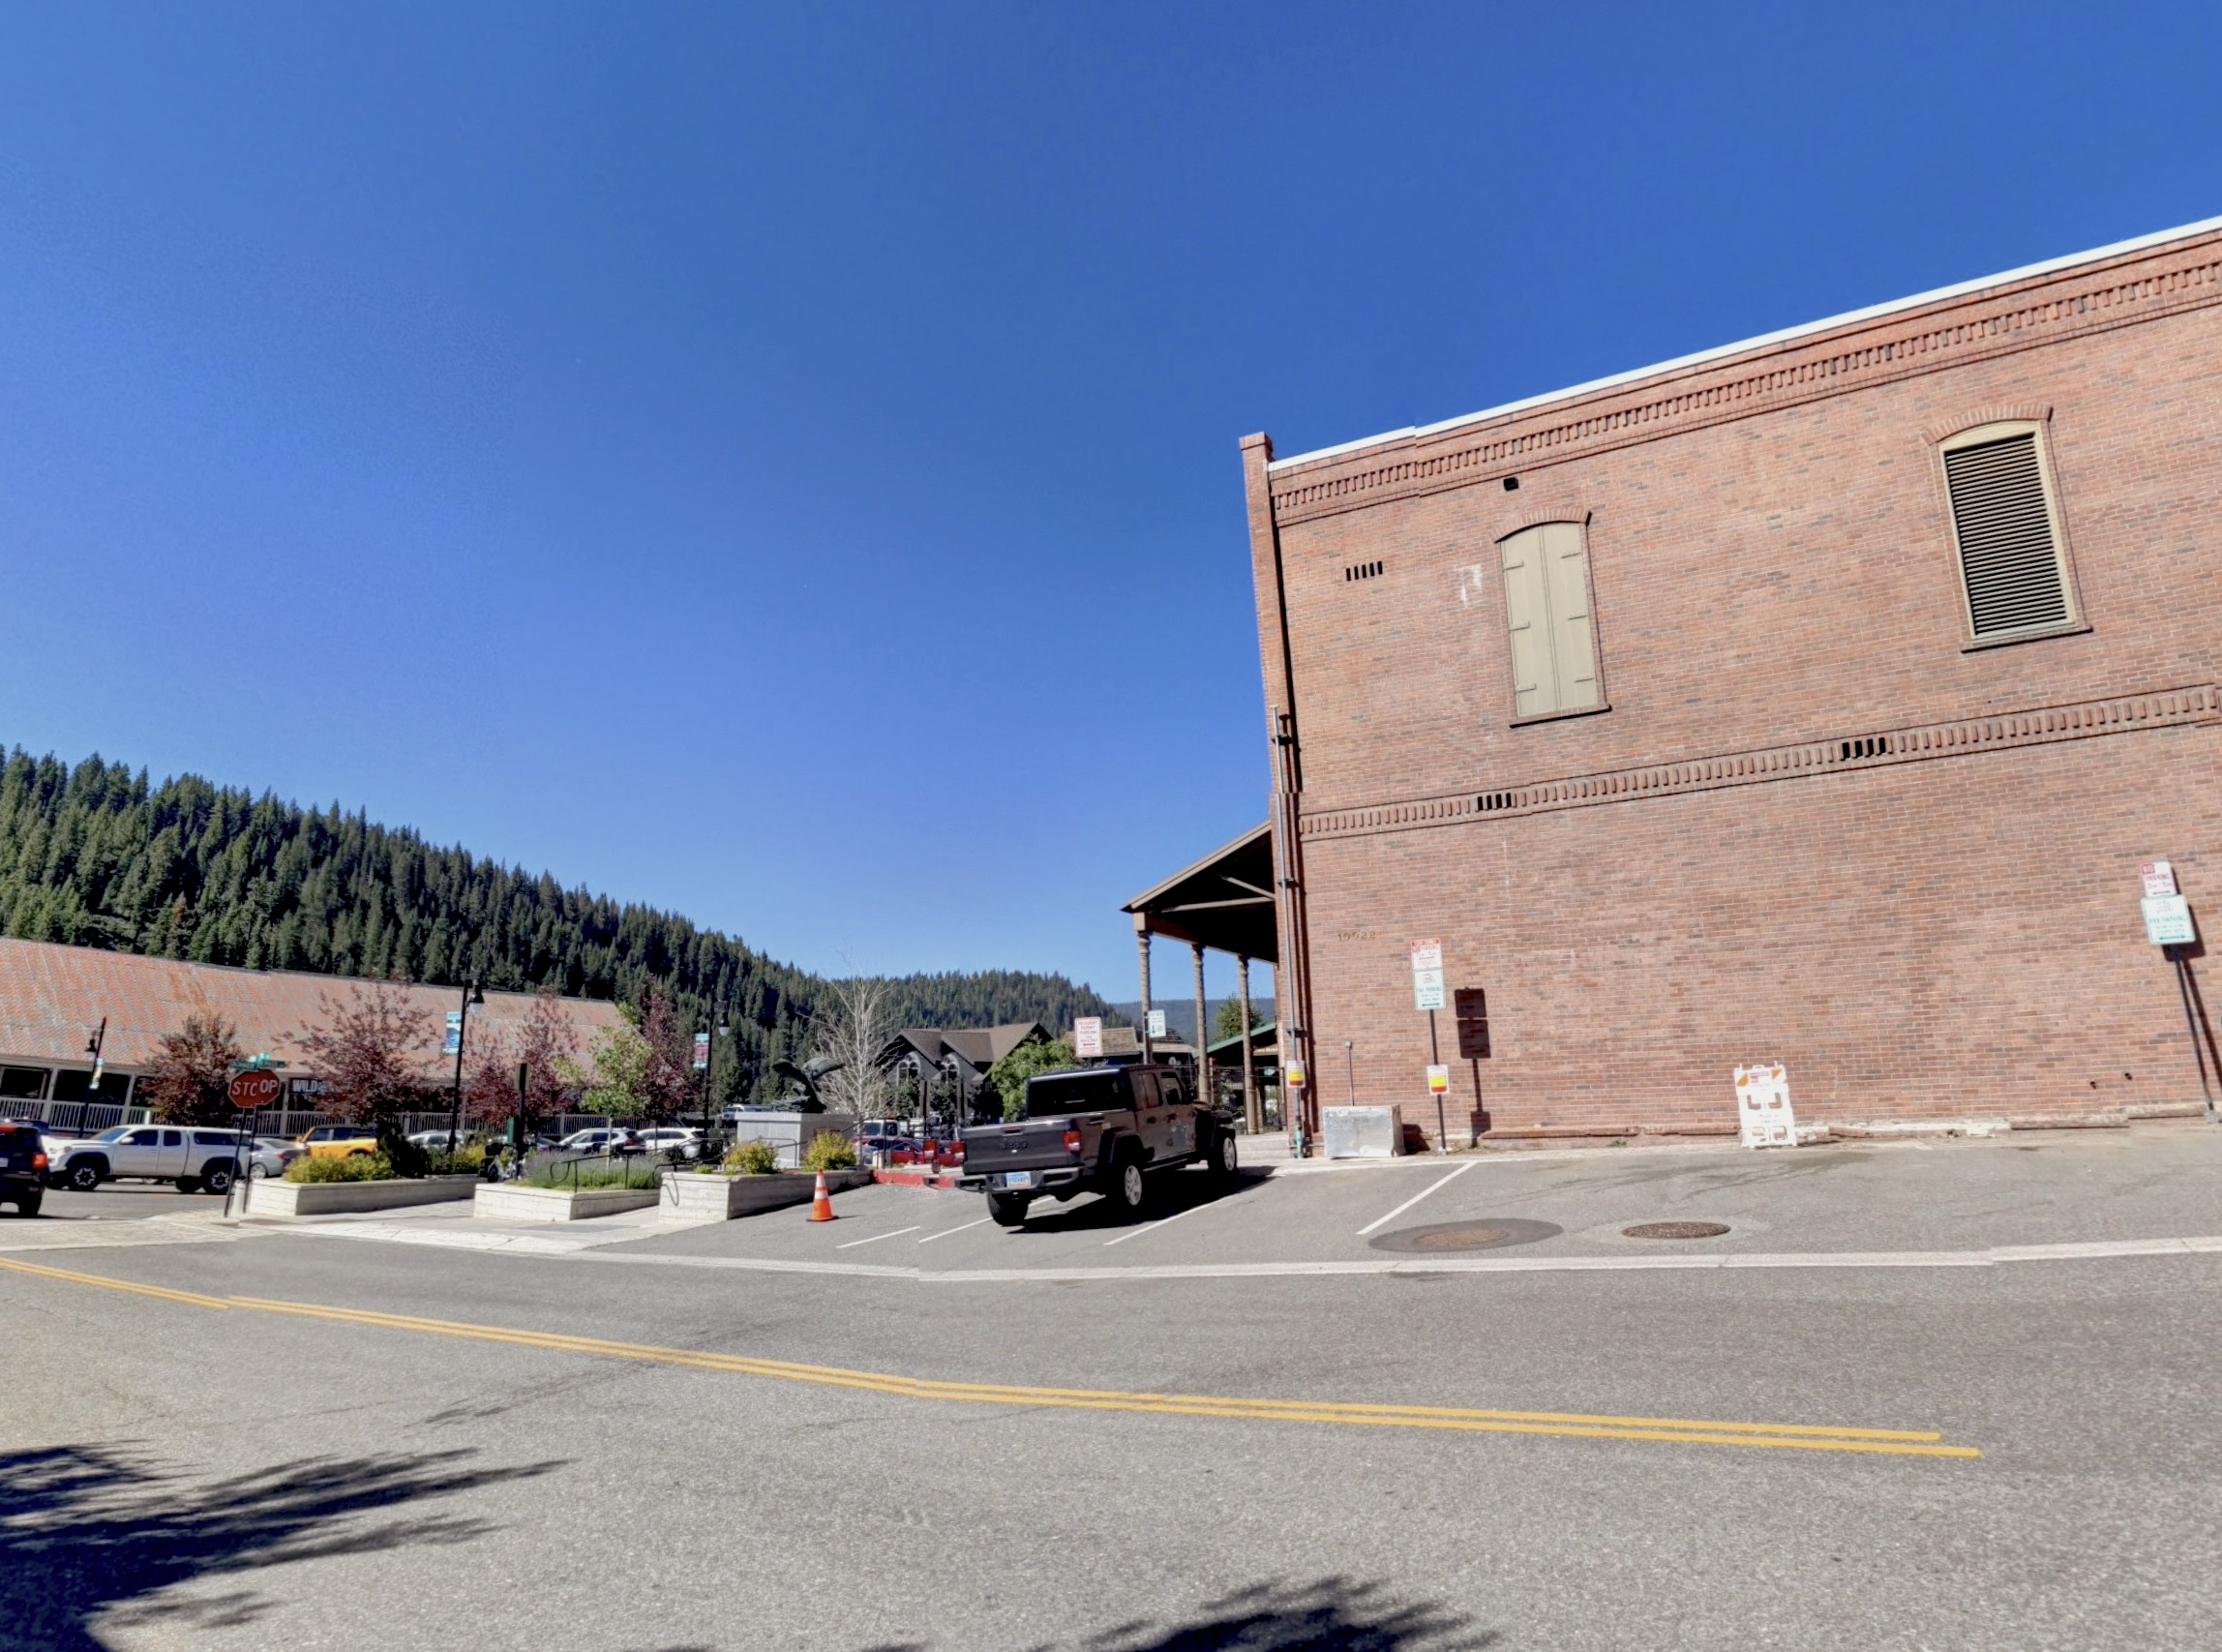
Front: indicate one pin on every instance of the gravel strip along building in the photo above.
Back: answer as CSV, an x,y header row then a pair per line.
x,y
1813,700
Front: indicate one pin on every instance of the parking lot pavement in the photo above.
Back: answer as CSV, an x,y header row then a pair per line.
x,y
117,1201
2164,1182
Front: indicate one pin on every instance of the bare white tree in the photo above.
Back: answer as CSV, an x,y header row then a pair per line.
x,y
850,1024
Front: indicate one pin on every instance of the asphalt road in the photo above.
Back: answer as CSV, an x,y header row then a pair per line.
x,y
312,1443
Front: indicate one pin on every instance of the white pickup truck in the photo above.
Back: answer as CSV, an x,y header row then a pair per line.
x,y
198,1159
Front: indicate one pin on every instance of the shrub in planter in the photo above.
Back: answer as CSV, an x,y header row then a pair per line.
x,y
828,1150
464,1161
579,1175
751,1158
352,1167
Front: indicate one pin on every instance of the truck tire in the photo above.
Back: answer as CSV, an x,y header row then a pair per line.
x,y
188,1184
1129,1185
1007,1210
85,1175
28,1204
1223,1162
216,1178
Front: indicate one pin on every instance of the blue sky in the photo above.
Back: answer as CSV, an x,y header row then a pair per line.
x,y
780,464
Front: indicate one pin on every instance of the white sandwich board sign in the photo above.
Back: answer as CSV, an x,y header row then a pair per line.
x,y
1763,1106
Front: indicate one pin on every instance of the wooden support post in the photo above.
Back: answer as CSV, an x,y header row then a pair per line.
x,y
1253,1114
1203,1032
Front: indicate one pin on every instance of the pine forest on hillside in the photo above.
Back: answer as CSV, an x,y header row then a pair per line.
x,y
95,856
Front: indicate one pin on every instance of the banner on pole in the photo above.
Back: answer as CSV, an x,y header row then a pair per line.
x,y
454,1040
701,1052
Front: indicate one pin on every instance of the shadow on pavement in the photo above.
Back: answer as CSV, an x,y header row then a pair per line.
x,y
1333,1614
88,1531
1170,1193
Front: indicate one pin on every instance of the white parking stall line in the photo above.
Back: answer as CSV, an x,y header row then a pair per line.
x,y
947,1231
1378,1221
1137,1233
877,1237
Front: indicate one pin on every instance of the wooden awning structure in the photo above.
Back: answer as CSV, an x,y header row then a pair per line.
x,y
1224,901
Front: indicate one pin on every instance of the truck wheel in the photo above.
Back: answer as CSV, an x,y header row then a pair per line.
x,y
188,1184
1007,1212
1129,1187
83,1178
216,1178
1223,1161
28,1204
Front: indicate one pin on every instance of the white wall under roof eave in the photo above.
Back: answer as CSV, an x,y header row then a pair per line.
x,y
2050,266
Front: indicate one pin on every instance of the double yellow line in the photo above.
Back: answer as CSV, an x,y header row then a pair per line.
x,y
1675,1430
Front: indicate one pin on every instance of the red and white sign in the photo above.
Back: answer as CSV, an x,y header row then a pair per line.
x,y
253,1090
1438,1081
2159,879
1763,1106
1294,1075
1088,1036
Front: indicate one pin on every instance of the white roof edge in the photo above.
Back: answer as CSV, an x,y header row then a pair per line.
x,y
2049,266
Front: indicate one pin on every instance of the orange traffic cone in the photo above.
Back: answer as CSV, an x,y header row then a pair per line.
x,y
821,1202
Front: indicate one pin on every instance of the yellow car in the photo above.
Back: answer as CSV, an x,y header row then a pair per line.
x,y
338,1141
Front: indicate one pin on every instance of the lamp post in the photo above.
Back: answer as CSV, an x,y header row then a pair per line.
x,y
472,994
93,1084
957,1096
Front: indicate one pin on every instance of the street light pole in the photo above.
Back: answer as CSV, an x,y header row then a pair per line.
x,y
93,1084
473,993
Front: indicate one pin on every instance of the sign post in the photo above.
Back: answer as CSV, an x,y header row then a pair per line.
x,y
253,1087
2169,926
1428,995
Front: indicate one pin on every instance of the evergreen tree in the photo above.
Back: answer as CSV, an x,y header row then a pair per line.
x,y
96,856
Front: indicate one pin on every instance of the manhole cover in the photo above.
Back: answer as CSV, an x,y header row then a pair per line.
x,y
1674,1230
1447,1237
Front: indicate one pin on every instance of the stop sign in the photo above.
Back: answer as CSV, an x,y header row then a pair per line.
x,y
251,1089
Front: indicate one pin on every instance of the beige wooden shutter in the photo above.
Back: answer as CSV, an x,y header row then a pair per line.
x,y
2008,555
1527,610
1574,648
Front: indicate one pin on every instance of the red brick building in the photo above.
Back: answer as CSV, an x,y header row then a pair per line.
x,y
1812,700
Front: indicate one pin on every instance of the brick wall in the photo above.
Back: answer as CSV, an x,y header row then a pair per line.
x,y
1697,877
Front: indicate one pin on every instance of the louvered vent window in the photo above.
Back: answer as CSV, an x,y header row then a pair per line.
x,y
2008,555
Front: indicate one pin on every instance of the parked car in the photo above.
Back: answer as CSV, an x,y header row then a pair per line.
x,y
438,1139
196,1161
600,1140
1095,1130
338,1141
685,1143
272,1153
22,1167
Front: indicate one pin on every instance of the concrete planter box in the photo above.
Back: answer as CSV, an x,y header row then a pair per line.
x,y
279,1198
720,1198
508,1201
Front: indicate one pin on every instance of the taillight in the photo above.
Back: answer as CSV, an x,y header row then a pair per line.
x,y
38,1161
956,1152
1072,1141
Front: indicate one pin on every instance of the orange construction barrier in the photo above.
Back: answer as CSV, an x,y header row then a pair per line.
x,y
821,1202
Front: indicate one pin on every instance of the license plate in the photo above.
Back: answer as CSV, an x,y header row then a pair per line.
x,y
1018,1177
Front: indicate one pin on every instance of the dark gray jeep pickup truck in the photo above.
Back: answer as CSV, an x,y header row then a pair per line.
x,y
1101,1129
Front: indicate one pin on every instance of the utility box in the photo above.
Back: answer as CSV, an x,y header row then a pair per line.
x,y
789,1134
1362,1132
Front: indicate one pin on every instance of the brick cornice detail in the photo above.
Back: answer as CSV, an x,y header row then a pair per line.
x,y
1969,736
1955,334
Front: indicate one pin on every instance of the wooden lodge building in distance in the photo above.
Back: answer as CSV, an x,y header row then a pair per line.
x,y
1813,700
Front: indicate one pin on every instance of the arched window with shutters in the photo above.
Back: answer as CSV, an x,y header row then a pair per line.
x,y
2014,572
1548,608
